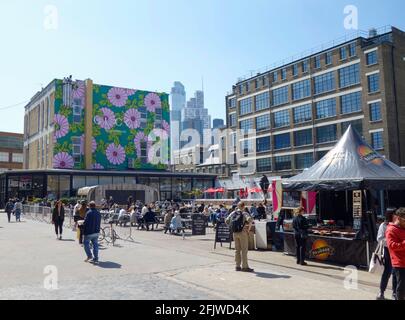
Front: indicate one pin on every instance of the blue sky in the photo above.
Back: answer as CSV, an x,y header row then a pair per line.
x,y
149,44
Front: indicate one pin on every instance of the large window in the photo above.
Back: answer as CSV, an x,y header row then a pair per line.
x,y
280,96
343,53
263,144
282,141
352,49
328,58
301,90
303,137
246,124
372,58
326,108
356,124
232,103
317,62
377,141
326,134
305,65
295,70
11,142
246,147
232,120
4,157
246,106
302,113
283,74
18,157
263,122
303,161
324,83
374,83
349,76
262,101
275,76
282,163
375,111
263,165
281,119
351,102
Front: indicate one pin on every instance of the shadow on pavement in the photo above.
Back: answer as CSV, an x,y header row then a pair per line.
x,y
68,240
327,267
109,265
270,275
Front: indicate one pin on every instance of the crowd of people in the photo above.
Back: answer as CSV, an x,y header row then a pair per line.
x,y
14,207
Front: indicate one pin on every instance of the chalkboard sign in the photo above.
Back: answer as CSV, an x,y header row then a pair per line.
x,y
198,225
223,234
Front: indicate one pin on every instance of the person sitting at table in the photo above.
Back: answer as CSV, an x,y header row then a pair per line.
x,y
176,224
123,217
149,218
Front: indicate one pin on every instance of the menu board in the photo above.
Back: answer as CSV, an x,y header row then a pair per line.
x,y
357,204
198,225
223,234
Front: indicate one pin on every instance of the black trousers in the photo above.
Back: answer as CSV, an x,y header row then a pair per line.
x,y
400,274
58,226
301,244
9,216
388,271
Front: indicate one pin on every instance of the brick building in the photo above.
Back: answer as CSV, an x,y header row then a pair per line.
x,y
11,151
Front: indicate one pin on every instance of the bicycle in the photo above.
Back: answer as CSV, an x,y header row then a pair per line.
x,y
108,234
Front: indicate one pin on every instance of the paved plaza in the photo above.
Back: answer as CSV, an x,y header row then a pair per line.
x,y
160,266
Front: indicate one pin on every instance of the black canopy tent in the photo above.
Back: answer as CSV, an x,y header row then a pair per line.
x,y
351,165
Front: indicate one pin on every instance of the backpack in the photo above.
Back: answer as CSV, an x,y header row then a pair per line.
x,y
238,222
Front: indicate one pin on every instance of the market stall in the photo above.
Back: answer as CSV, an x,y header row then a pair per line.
x,y
348,182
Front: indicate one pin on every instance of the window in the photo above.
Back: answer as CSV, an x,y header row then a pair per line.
x,y
302,113
321,154
232,120
275,78
283,74
303,161
245,106
304,66
257,83
232,103
240,89
326,133
372,58
4,157
247,147
247,86
324,83
280,96
375,111
263,122
11,142
281,119
317,62
282,141
356,124
349,76
377,141
343,53
282,163
328,58
301,90
325,108
263,144
350,103
263,165
265,81
262,101
246,124
303,137
295,70
352,49
374,83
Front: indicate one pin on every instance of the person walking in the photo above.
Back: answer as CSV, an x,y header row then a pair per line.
x,y
58,217
82,215
301,226
395,236
9,209
17,210
388,271
167,219
241,223
91,230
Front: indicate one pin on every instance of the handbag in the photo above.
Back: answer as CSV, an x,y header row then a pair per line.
x,y
377,260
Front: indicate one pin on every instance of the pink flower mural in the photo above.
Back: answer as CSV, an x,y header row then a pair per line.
x,y
152,102
97,166
132,118
61,126
107,121
79,90
118,97
115,154
130,92
139,138
93,144
63,160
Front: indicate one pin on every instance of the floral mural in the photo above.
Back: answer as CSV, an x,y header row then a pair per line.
x,y
127,125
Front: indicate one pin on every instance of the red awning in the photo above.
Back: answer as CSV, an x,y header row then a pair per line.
x,y
210,190
220,190
255,190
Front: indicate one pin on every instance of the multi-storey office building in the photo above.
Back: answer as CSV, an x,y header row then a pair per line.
x,y
11,151
299,110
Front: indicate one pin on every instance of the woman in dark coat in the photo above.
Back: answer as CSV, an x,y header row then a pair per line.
x,y
301,226
58,217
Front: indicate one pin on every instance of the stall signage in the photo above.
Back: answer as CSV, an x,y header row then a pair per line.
x,y
223,234
321,250
198,225
357,204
